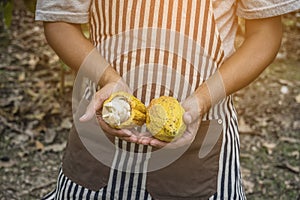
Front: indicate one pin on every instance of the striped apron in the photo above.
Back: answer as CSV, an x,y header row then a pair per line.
x,y
166,47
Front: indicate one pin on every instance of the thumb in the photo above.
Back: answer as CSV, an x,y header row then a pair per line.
x,y
187,118
191,110
89,113
190,117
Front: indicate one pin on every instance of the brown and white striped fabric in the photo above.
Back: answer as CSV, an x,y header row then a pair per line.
x,y
169,48
157,22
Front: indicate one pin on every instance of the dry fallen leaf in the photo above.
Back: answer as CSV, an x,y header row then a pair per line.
x,y
56,147
285,82
33,61
243,127
289,140
249,185
36,116
50,135
286,165
66,123
297,98
20,139
21,77
269,146
296,124
32,93
7,164
295,154
55,108
38,145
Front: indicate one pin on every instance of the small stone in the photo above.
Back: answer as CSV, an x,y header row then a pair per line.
x,y
284,90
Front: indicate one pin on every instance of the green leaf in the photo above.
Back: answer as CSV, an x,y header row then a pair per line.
x,y
64,66
8,8
85,30
30,5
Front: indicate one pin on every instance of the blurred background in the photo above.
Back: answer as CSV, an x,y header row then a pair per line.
x,y
35,112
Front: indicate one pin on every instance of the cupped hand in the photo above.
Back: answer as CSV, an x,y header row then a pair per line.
x,y
95,106
192,118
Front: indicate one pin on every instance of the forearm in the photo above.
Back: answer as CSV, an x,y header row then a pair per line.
x,y
259,49
262,42
68,41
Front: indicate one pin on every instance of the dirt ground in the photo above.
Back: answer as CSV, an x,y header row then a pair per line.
x,y
35,116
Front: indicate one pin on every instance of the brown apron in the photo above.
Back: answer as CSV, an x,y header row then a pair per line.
x,y
81,167
190,177
78,162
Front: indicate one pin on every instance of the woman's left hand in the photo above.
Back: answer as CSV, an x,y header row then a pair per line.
x,y
192,119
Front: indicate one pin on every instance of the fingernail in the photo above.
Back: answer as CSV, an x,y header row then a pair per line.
x,y
187,118
83,117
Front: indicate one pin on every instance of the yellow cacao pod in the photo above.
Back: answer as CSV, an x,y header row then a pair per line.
x,y
164,118
123,110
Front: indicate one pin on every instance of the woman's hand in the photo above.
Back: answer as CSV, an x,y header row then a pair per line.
x,y
95,106
192,118
195,107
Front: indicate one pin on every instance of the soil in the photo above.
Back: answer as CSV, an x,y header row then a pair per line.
x,y
35,108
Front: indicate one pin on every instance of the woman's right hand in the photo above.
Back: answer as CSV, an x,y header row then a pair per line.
x,y
96,104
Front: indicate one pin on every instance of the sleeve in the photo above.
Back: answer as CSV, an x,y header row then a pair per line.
x,y
250,9
72,11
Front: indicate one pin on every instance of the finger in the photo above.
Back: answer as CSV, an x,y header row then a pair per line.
x,y
114,132
134,131
127,132
157,143
186,139
192,110
132,138
95,104
144,140
187,118
89,113
145,134
100,97
117,133
193,128
121,85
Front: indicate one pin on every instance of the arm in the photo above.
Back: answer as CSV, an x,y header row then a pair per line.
x,y
262,42
68,41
